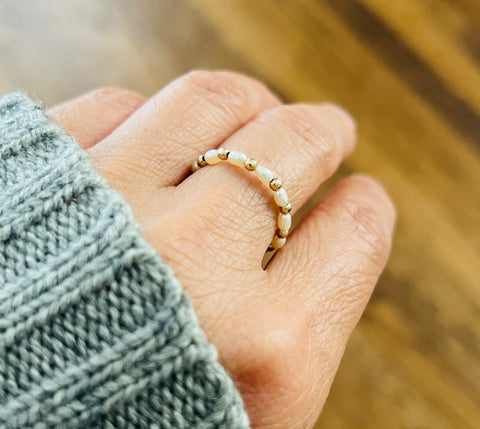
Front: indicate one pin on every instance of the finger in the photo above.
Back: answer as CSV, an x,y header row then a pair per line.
x,y
93,116
327,271
338,251
302,144
155,147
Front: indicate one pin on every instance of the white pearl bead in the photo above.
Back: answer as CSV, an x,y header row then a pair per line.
x,y
237,158
264,174
212,157
284,222
281,197
278,242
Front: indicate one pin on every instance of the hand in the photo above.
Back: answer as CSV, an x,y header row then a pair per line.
x,y
280,332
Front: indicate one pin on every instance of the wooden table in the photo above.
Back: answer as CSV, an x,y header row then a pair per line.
x,y
409,71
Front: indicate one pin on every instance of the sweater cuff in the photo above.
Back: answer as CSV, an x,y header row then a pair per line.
x,y
95,331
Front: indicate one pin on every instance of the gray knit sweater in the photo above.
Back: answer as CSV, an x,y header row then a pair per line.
x,y
95,331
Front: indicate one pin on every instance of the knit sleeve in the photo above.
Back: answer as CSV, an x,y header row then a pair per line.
x,y
95,330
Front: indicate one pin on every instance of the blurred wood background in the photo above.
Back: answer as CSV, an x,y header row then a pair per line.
x,y
408,70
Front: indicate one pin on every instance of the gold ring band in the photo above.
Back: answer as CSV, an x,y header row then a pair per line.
x,y
266,176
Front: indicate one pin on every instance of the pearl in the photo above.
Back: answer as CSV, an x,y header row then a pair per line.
x,y
281,197
277,242
284,222
264,174
237,158
212,157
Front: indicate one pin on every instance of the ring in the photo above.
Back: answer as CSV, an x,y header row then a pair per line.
x,y
266,176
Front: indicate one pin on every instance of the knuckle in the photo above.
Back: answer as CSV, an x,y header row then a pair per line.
x,y
118,96
105,92
310,135
365,223
228,91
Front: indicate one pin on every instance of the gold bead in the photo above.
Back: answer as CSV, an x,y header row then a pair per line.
x,y
222,153
201,161
286,209
251,164
194,167
275,184
282,234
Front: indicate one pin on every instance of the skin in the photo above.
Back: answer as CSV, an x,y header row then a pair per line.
x,y
280,332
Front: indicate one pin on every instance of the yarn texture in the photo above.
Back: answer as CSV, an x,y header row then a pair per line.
x,y
95,330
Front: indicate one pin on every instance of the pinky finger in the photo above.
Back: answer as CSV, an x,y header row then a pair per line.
x,y
327,271
335,256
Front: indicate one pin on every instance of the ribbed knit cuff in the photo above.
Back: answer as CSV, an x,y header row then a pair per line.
x,y
95,331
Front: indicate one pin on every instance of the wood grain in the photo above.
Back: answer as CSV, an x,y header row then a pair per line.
x,y
409,71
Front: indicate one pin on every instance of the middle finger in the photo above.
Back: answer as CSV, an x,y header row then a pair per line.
x,y
153,148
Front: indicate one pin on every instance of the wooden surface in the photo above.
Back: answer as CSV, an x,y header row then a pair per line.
x,y
410,72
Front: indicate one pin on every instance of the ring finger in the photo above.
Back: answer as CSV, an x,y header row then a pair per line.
x,y
302,144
